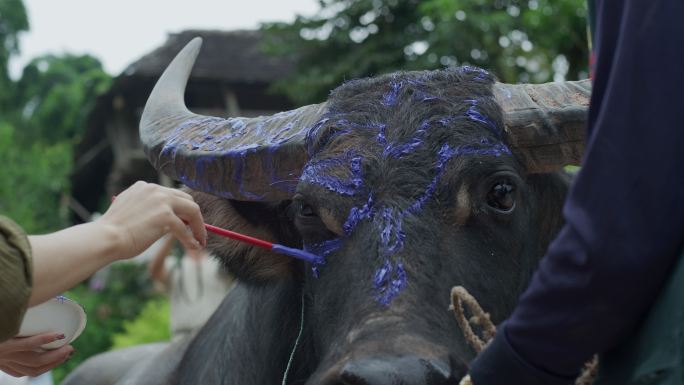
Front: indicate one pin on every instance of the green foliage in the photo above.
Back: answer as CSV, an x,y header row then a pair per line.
x,y
121,299
152,325
528,41
34,179
47,117
42,115
55,95
518,40
13,21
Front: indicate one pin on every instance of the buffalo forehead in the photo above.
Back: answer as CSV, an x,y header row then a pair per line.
x,y
386,145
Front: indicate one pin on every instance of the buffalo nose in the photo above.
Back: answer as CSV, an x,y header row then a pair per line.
x,y
393,371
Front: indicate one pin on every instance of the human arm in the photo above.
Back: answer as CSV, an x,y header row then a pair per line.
x,y
624,216
138,217
156,268
24,357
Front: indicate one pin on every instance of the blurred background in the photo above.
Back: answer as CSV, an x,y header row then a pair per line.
x,y
75,74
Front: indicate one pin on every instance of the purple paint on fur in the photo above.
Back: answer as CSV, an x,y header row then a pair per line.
x,y
314,173
399,150
382,274
390,98
391,234
356,215
322,249
445,154
481,74
365,126
298,253
389,281
475,115
382,138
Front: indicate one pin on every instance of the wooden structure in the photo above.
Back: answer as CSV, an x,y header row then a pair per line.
x,y
231,78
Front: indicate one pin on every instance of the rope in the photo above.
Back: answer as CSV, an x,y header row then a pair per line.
x,y
294,348
460,297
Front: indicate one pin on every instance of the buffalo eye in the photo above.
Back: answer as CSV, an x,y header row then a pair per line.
x,y
306,210
501,196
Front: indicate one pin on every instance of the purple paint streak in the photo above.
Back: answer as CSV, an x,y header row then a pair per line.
x,y
445,154
391,98
382,138
238,178
389,281
399,150
481,74
314,173
356,215
298,253
475,115
391,234
322,249
279,137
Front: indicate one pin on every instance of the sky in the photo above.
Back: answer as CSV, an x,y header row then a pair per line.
x,y
118,32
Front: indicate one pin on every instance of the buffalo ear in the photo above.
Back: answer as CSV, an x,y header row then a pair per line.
x,y
267,221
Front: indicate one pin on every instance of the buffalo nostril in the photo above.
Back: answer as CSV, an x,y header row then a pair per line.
x,y
407,370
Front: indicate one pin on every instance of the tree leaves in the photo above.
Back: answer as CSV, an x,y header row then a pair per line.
x,y
520,41
42,116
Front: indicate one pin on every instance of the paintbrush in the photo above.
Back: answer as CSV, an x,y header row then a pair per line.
x,y
289,251
281,249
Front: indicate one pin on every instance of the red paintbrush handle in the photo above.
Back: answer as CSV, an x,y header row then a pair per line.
x,y
238,236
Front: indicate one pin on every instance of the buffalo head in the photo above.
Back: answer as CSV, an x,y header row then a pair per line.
x,y
407,184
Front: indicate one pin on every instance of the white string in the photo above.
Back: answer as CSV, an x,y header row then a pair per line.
x,y
294,348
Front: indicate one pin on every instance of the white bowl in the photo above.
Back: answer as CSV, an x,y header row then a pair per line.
x,y
57,315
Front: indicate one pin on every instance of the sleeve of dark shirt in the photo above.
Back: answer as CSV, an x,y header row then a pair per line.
x,y
624,215
15,277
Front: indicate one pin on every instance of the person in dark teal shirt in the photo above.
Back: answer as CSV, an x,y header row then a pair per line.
x,y
624,230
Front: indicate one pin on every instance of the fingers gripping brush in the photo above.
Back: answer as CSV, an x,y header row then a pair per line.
x,y
280,249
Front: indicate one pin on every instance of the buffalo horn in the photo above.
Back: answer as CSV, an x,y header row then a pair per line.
x,y
238,158
545,123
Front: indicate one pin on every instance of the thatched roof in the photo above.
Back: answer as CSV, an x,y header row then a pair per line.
x,y
229,56
229,61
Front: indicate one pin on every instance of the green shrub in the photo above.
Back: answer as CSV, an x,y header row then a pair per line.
x,y
152,325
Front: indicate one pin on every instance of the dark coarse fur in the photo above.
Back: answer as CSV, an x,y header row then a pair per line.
x,y
236,345
261,220
450,236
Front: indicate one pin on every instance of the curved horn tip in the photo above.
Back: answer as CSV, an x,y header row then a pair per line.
x,y
168,94
193,46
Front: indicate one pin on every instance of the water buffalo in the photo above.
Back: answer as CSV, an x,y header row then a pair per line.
x,y
404,184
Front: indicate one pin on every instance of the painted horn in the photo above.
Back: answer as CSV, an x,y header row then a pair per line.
x,y
545,123
238,158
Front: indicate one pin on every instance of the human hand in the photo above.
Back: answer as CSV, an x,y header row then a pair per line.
x,y
145,212
22,356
